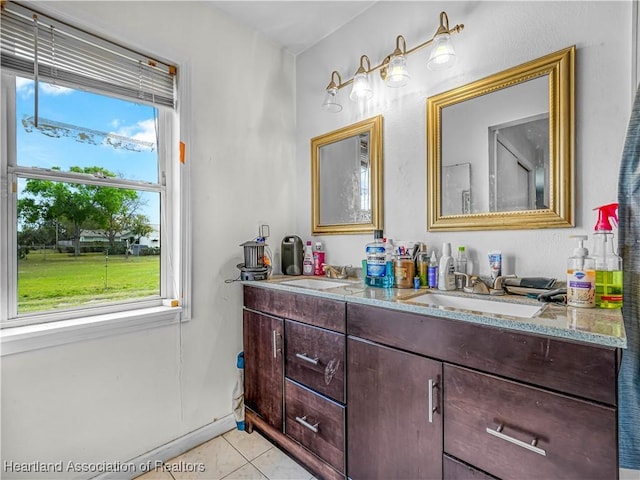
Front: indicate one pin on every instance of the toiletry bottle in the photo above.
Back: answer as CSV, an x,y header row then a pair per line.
x,y
376,261
389,280
432,271
495,264
581,276
461,266
608,264
446,278
307,261
318,259
423,265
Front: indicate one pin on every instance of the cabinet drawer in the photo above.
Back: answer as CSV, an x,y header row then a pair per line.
x,y
321,312
584,370
315,357
494,423
454,469
316,422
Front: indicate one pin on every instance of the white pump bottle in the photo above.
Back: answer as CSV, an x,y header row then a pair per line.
x,y
446,278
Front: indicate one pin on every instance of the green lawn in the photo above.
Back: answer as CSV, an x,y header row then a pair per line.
x,y
59,280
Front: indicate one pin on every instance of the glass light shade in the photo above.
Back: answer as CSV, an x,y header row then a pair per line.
x,y
397,73
442,55
361,89
331,103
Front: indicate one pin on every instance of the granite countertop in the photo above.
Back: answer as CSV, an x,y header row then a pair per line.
x,y
592,325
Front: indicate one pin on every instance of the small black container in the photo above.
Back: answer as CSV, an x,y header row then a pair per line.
x,y
292,253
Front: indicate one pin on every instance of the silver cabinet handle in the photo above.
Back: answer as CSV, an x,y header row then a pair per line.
x,y
303,421
303,356
274,334
432,384
529,446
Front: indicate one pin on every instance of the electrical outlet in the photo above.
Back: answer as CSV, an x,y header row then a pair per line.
x,y
263,230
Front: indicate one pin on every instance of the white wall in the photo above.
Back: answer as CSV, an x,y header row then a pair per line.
x,y
497,35
115,398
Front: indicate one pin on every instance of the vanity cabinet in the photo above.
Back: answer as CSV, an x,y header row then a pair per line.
x,y
357,390
511,405
295,375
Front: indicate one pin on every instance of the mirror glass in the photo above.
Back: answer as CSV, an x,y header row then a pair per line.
x,y
346,170
501,149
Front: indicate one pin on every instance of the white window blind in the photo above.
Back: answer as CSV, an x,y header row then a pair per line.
x,y
40,47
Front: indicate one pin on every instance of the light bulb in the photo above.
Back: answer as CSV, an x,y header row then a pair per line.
x,y
443,55
397,74
361,89
331,103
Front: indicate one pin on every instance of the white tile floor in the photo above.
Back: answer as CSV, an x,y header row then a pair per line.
x,y
238,455
235,455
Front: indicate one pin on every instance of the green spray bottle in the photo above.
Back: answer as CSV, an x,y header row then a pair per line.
x,y
608,264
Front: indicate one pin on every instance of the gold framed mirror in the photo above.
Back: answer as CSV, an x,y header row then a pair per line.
x,y
346,179
500,150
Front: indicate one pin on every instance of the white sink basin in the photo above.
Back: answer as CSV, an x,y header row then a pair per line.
x,y
479,305
314,283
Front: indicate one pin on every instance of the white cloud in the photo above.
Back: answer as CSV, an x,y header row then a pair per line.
x,y
26,88
143,130
50,89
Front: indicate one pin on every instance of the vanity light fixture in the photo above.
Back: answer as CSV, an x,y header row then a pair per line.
x,y
361,89
331,103
393,69
394,72
442,55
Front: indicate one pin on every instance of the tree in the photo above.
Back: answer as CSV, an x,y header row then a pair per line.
x,y
140,227
115,208
78,207
69,204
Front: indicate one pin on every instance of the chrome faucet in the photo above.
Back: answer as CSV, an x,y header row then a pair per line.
x,y
466,281
474,284
498,285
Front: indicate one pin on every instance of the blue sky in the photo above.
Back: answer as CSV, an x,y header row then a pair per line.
x,y
94,112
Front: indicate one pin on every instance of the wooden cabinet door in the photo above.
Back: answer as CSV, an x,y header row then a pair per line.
x,y
264,366
394,413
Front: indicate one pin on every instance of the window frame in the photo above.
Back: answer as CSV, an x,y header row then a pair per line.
x,y
173,266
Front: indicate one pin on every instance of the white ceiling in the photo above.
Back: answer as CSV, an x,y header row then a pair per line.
x,y
295,25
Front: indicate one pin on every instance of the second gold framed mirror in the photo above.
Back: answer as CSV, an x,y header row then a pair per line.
x,y
500,150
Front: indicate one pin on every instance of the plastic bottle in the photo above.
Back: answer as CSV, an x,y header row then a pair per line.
x,y
423,265
307,261
432,271
318,259
390,274
446,278
376,256
461,266
581,277
608,264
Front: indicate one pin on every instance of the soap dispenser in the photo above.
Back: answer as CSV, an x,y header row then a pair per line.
x,y
581,276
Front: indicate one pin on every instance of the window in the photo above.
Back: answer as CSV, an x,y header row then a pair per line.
x,y
90,202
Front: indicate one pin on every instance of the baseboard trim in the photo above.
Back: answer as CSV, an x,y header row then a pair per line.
x,y
172,449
